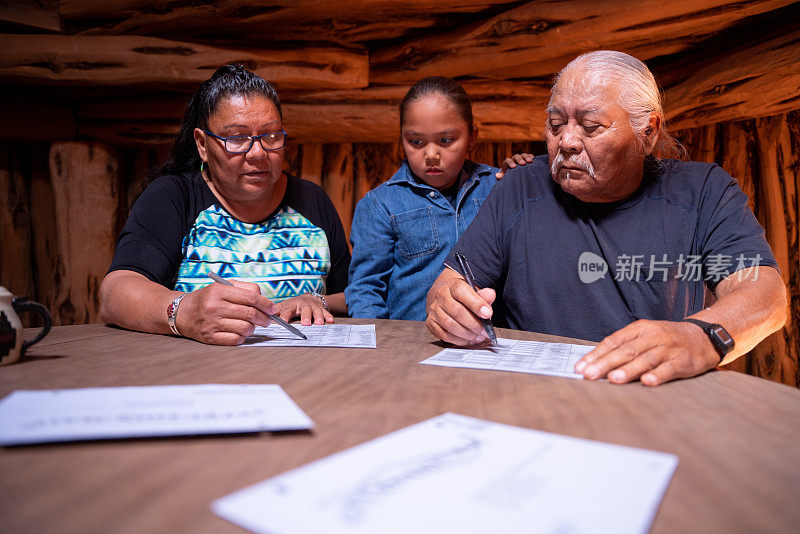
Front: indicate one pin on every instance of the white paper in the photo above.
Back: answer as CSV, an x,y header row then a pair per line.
x,y
361,336
125,412
459,474
533,357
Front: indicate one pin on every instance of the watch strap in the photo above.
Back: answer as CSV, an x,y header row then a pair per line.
x,y
172,314
713,332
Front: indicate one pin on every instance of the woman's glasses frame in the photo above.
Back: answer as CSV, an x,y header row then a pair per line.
x,y
251,138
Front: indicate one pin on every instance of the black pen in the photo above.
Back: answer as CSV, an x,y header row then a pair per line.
x,y
467,272
217,278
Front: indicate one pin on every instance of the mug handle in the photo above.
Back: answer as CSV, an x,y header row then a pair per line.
x,y
22,304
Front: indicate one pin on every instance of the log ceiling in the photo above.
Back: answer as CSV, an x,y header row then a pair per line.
x,y
121,70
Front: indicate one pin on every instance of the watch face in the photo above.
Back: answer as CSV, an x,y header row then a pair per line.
x,y
722,335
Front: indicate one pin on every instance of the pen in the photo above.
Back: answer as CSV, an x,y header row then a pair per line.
x,y
467,272
217,278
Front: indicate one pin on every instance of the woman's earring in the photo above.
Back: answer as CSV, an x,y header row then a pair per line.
x,y
202,165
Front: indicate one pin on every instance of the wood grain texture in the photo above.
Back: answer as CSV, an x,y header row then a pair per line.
x,y
761,80
29,118
84,178
507,111
374,164
313,158
762,155
150,61
779,354
337,180
15,224
34,14
711,422
537,37
347,21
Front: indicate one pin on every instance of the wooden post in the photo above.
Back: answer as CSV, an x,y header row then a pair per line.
x,y
374,164
501,152
44,229
699,143
292,158
15,224
734,156
84,178
483,153
337,179
313,158
738,153
777,356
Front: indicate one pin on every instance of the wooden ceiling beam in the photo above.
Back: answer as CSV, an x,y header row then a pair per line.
x,y
538,38
40,15
508,111
478,90
759,81
343,21
153,62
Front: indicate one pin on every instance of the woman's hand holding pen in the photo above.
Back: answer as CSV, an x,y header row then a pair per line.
x,y
455,309
223,315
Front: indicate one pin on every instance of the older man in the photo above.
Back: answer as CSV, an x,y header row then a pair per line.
x,y
607,241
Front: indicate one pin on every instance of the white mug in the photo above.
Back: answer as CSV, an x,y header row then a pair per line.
x,y
12,346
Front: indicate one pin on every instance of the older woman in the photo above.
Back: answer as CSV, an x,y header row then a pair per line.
x,y
223,205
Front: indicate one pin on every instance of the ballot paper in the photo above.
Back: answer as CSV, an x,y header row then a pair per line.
x,y
358,336
127,412
533,357
455,473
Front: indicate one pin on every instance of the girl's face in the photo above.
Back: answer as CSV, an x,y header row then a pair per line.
x,y
436,140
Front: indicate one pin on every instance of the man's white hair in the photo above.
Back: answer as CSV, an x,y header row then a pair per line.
x,y
639,94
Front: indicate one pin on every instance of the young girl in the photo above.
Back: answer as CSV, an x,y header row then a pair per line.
x,y
403,230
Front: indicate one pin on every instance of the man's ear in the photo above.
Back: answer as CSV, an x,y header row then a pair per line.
x,y
200,141
651,133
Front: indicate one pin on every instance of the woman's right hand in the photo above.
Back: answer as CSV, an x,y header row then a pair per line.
x,y
224,315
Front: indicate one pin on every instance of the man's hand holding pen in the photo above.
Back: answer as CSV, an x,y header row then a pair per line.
x,y
455,310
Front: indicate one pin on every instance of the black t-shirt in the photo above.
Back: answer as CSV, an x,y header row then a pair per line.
x,y
565,267
178,231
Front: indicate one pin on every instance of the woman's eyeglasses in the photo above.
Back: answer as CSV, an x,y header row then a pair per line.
x,y
240,144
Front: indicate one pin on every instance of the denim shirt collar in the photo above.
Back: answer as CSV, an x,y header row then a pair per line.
x,y
405,176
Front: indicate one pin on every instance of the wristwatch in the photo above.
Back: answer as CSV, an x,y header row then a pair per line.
x,y
172,313
720,338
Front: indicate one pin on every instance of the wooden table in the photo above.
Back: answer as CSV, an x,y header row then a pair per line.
x,y
737,437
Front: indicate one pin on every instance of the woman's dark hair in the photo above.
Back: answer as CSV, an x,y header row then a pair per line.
x,y
227,81
439,85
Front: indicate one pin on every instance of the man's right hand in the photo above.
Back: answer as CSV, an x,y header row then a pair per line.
x,y
455,309
223,315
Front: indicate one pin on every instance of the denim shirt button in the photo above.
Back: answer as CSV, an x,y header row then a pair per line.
x,y
432,194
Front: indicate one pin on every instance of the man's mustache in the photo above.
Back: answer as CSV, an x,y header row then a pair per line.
x,y
574,159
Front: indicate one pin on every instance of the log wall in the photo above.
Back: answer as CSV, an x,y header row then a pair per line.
x,y
57,230
764,155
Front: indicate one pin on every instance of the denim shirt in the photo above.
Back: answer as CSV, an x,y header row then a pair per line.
x,y
402,231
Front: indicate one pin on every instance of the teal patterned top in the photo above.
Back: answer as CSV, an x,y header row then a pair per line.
x,y
178,231
286,255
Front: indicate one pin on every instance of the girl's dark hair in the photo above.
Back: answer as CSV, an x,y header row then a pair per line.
x,y
227,81
439,85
